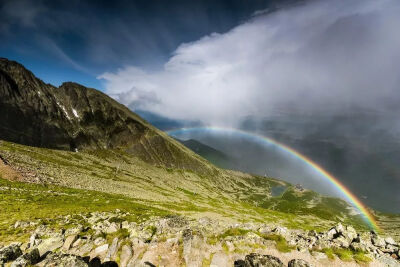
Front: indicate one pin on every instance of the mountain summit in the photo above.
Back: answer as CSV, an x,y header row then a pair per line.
x,y
74,117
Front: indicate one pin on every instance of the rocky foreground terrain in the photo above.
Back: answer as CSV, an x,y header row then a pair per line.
x,y
111,239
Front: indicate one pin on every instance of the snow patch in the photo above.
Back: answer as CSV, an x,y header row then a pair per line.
x,y
65,111
75,113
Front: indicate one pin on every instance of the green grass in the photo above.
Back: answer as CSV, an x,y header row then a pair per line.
x,y
121,234
234,232
329,253
281,243
346,255
27,202
361,257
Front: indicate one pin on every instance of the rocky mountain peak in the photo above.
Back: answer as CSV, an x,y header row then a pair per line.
x,y
74,117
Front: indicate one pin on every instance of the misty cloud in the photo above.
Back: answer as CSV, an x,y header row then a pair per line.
x,y
323,56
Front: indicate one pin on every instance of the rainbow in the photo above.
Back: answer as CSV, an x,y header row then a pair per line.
x,y
347,194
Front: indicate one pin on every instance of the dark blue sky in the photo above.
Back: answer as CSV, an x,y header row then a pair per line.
x,y
78,40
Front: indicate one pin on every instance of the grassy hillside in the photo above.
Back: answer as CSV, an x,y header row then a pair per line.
x,y
63,182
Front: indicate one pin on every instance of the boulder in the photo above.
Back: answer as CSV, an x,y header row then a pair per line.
x,y
112,251
219,259
34,240
112,228
85,249
358,246
258,260
342,242
99,251
27,259
378,241
388,261
63,260
126,255
350,233
50,244
299,263
339,228
10,253
390,241
69,241
99,241
331,233
319,255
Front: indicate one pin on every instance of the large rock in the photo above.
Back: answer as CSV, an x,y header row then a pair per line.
x,y
331,233
378,241
299,263
390,241
388,261
99,251
10,253
258,260
350,233
63,260
112,251
50,244
126,255
27,259
69,241
219,259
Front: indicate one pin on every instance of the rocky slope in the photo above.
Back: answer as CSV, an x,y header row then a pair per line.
x,y
113,239
73,117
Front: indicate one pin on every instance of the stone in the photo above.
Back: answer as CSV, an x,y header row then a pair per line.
x,y
219,259
319,255
299,263
126,255
331,233
32,240
112,228
63,260
390,241
255,259
69,241
99,241
10,253
378,241
74,231
27,259
99,251
350,233
358,246
50,244
388,261
112,251
77,243
85,249
342,242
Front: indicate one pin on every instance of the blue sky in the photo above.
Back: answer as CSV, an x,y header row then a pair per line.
x,y
79,40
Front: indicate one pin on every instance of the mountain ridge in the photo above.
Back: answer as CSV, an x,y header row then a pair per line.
x,y
75,117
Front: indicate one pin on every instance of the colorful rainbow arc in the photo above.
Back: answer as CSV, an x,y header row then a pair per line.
x,y
333,180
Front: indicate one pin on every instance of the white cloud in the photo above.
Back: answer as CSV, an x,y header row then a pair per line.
x,y
323,55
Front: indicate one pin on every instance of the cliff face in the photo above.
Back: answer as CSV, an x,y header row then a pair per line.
x,y
74,117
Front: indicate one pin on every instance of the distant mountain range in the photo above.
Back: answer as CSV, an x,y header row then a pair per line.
x,y
213,155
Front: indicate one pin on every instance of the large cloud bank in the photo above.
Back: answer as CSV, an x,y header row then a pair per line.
x,y
323,56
